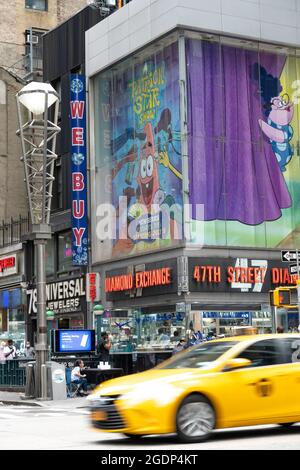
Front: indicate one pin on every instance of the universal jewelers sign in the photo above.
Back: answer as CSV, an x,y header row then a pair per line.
x,y
62,297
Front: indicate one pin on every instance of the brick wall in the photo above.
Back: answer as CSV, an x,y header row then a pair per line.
x,y
67,8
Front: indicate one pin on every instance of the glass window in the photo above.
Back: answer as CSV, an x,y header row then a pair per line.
x,y
160,330
243,141
200,356
138,153
65,251
13,327
34,49
290,349
263,353
50,256
41,5
133,330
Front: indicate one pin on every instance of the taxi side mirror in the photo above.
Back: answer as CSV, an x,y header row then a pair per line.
x,y
237,363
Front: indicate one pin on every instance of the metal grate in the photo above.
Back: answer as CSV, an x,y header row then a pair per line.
x,y
113,419
12,375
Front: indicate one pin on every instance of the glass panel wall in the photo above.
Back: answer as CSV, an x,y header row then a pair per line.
x,y
65,251
138,170
140,330
244,169
12,317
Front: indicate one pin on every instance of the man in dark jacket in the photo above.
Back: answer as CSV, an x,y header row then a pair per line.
x,y
103,347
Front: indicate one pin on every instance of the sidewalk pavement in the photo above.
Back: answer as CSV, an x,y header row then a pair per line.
x,y
17,398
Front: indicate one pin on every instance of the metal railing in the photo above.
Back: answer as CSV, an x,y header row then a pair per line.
x,y
13,374
12,231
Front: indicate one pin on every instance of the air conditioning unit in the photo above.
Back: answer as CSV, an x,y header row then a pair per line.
x,y
34,39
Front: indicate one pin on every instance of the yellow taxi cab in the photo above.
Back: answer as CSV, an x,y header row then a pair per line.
x,y
230,382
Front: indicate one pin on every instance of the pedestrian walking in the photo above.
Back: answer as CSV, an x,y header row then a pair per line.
x,y
104,347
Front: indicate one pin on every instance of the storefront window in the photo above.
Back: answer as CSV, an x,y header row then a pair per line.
x,y
65,251
136,330
262,321
138,177
12,317
243,118
232,323
50,256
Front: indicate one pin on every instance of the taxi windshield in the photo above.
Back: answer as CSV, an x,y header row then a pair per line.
x,y
199,356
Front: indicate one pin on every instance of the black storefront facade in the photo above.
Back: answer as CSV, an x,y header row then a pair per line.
x,y
65,282
166,132
147,299
66,305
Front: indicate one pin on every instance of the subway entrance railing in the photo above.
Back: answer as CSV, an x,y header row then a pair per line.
x,y
13,374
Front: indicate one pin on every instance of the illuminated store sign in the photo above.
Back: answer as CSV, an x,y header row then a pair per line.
x,y
144,279
8,266
79,171
93,290
237,274
62,297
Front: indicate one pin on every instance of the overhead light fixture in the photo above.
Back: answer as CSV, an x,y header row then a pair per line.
x,y
34,95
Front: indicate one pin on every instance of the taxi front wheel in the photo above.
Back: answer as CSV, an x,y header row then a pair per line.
x,y
195,419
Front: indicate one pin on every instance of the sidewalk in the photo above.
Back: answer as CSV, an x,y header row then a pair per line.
x,y
17,398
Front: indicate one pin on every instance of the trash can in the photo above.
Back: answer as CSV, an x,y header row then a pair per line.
x,y
56,379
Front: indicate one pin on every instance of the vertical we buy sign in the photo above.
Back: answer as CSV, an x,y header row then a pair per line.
x,y
79,170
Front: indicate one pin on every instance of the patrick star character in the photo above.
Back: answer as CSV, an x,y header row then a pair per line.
x,y
148,179
279,130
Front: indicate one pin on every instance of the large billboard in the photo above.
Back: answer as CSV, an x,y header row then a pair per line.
x,y
138,177
244,142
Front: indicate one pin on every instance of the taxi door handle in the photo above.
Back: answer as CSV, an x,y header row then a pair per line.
x,y
264,387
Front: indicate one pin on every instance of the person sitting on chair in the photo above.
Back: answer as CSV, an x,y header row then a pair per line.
x,y
78,378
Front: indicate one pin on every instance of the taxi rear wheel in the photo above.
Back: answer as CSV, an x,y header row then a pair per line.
x,y
195,419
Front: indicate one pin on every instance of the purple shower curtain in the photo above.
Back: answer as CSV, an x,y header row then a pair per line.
x,y
232,169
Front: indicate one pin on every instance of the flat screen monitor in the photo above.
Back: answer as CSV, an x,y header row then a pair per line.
x,y
74,341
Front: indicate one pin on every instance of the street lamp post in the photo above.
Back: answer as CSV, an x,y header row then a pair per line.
x,y
98,311
38,140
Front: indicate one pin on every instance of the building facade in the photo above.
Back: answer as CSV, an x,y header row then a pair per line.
x,y
23,23
64,55
194,146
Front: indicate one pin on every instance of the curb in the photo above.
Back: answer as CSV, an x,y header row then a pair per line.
x,y
20,403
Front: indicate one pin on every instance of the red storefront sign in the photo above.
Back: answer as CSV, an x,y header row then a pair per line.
x,y
93,288
140,280
7,265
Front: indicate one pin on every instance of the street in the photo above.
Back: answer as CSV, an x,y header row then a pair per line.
x,y
59,428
